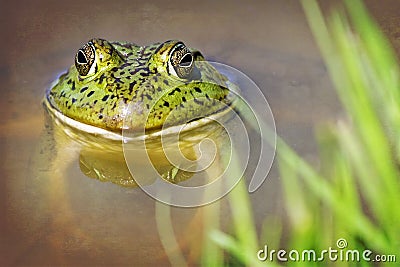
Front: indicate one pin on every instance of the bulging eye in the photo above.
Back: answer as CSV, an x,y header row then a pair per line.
x,y
85,62
181,61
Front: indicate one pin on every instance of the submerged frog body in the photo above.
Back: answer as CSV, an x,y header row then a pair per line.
x,y
108,78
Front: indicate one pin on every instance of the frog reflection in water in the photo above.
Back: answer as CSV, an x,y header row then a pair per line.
x,y
109,78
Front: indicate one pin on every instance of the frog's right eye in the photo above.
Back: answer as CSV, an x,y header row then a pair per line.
x,y
85,62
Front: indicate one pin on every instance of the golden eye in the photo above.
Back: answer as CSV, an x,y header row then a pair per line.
x,y
85,62
181,61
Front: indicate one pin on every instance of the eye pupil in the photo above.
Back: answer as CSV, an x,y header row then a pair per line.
x,y
186,61
82,58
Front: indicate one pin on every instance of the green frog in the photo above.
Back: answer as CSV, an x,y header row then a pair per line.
x,y
118,86
112,79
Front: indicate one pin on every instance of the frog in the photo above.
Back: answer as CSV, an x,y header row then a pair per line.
x,y
117,86
110,77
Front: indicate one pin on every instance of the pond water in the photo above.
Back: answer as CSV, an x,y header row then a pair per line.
x,y
70,219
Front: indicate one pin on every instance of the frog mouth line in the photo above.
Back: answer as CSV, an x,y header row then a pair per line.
x,y
118,136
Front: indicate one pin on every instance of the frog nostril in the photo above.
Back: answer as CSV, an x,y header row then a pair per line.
x,y
81,58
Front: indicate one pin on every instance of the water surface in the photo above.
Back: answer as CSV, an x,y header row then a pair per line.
x,y
81,221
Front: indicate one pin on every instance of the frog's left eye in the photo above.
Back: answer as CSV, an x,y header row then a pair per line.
x,y
85,60
181,61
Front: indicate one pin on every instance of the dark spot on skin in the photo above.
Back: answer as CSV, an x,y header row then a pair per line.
x,y
174,91
114,69
73,86
127,45
83,89
159,48
104,98
147,106
122,72
183,99
207,97
100,116
95,102
73,100
69,82
166,104
115,79
166,82
90,94
102,77
197,89
131,85
124,66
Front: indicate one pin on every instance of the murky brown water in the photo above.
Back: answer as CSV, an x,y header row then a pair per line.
x,y
82,221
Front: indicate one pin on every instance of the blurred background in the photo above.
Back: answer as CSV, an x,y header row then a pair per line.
x,y
270,41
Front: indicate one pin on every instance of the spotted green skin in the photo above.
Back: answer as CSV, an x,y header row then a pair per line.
x,y
137,78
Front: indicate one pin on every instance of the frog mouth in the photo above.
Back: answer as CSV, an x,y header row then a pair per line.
x,y
72,125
